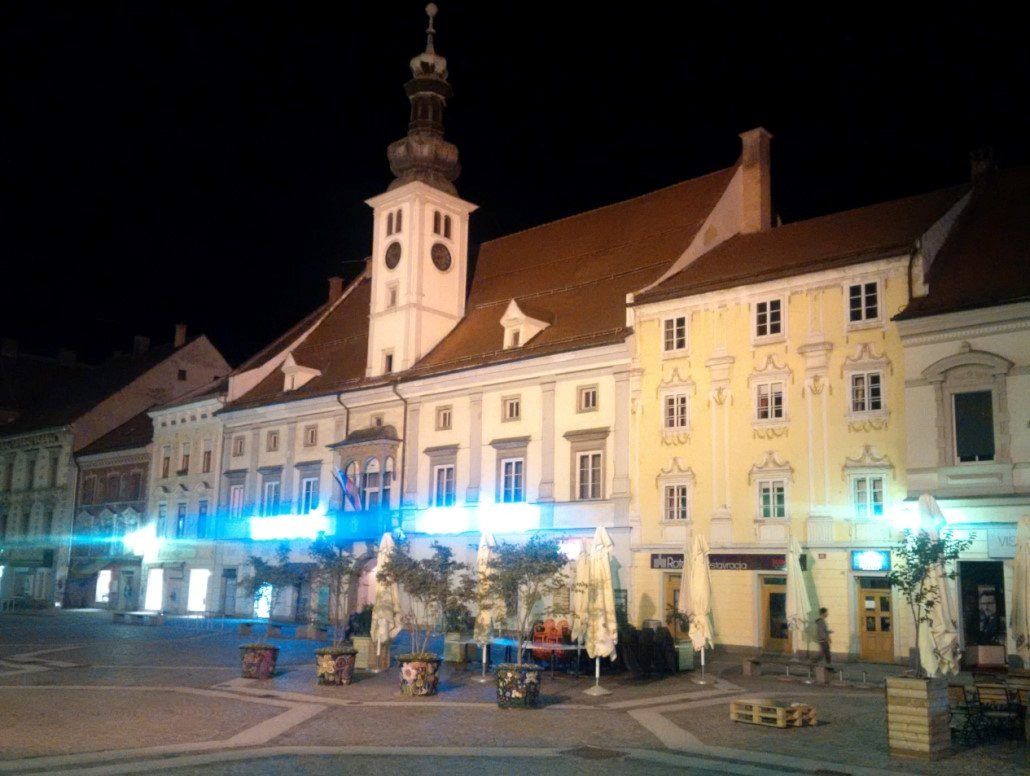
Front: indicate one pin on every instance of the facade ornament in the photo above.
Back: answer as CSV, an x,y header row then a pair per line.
x,y
773,432
770,465
867,460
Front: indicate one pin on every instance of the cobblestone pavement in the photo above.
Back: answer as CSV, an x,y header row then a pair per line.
x,y
80,694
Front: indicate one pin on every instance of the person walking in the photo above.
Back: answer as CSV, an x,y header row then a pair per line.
x,y
822,635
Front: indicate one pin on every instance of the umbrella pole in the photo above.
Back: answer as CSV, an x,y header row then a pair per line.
x,y
702,679
482,678
597,689
379,649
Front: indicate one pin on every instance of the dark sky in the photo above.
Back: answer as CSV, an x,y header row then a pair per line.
x,y
207,162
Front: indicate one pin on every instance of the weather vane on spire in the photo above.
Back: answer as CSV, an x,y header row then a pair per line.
x,y
431,10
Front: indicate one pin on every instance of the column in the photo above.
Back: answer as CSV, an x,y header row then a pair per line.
x,y
475,448
409,498
546,489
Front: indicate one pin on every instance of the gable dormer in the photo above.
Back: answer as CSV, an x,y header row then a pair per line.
x,y
521,324
295,375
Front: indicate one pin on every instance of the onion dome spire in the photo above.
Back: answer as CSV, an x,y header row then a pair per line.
x,y
423,154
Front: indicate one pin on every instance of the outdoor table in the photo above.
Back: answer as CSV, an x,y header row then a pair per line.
x,y
545,646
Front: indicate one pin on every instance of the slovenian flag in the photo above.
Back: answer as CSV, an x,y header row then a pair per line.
x,y
350,490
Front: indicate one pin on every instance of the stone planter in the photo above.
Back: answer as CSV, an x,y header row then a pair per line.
x,y
518,685
335,665
917,718
257,661
367,656
419,674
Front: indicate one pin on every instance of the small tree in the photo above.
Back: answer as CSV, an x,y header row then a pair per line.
x,y
336,568
432,586
277,576
919,553
526,575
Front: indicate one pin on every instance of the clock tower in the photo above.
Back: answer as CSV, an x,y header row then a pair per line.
x,y
420,229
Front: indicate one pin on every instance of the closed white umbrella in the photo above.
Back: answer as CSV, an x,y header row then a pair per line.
x,y
491,609
581,596
1019,620
602,633
386,603
939,650
799,607
699,606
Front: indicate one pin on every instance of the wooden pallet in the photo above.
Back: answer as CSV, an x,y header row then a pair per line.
x,y
766,712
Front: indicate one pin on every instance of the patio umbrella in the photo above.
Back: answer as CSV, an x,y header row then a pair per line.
x,y
581,596
799,608
939,650
601,630
491,609
1019,620
386,603
699,601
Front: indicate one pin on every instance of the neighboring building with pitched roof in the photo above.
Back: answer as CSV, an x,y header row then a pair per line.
x,y
38,475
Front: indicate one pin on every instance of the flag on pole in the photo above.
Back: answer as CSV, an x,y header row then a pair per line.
x,y
350,490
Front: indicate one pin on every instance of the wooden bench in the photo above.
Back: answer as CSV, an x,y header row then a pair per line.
x,y
138,618
766,712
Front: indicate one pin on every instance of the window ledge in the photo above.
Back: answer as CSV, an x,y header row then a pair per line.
x,y
681,353
770,339
875,323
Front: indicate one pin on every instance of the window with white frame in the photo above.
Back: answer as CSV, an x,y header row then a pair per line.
x,y
272,441
511,408
387,485
866,392
166,461
973,413
443,418
769,401
308,494
512,480
674,334
443,485
270,499
235,501
391,295
769,318
772,499
863,302
184,458
867,495
371,484
675,502
202,519
674,412
205,458
586,398
180,520
588,475
162,520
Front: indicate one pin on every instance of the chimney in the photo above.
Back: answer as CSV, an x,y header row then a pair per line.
x,y
756,189
335,289
9,347
180,335
140,345
66,357
981,162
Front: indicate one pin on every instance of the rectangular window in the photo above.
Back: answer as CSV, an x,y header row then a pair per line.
x,y
675,502
674,333
443,418
205,459
587,399
772,499
180,520
391,295
769,401
310,436
863,302
166,461
512,479
675,413
272,441
239,445
443,485
867,496
184,459
768,318
308,494
511,408
516,338
270,499
202,519
162,520
387,363
88,488
236,501
54,461
866,392
588,475
974,426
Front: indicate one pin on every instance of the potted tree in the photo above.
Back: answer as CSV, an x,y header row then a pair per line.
x,y
430,586
272,579
335,664
530,574
458,623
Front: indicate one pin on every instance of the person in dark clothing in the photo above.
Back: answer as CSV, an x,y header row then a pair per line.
x,y
822,635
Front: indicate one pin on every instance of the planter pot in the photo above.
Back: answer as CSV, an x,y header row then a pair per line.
x,y
917,718
419,675
257,661
453,651
335,665
518,685
367,656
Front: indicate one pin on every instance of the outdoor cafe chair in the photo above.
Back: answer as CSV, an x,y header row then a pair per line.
x,y
998,708
966,721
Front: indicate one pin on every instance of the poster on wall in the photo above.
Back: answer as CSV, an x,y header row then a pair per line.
x,y
991,630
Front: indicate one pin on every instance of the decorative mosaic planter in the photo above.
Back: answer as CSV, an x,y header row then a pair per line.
x,y
335,665
257,661
419,676
518,685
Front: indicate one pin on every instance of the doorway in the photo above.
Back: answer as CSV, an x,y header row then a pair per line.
x,y
776,633
672,598
229,592
875,620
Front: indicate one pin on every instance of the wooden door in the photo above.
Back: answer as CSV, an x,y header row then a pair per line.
x,y
672,598
875,621
776,634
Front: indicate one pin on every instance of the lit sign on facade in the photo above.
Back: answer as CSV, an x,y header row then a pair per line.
x,y
290,527
870,560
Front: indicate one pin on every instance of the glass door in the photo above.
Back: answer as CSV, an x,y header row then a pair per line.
x,y
774,614
875,620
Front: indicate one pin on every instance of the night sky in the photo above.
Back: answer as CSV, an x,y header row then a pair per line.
x,y
207,162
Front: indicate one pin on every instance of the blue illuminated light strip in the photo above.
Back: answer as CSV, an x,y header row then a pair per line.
x,y
291,527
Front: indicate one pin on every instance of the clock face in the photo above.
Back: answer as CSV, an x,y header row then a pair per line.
x,y
441,257
393,255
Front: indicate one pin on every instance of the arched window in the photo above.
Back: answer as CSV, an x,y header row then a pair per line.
x,y
351,500
400,217
436,222
372,481
387,482
89,487
447,226
389,224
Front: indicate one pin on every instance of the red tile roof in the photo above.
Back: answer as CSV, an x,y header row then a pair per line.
x,y
136,432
